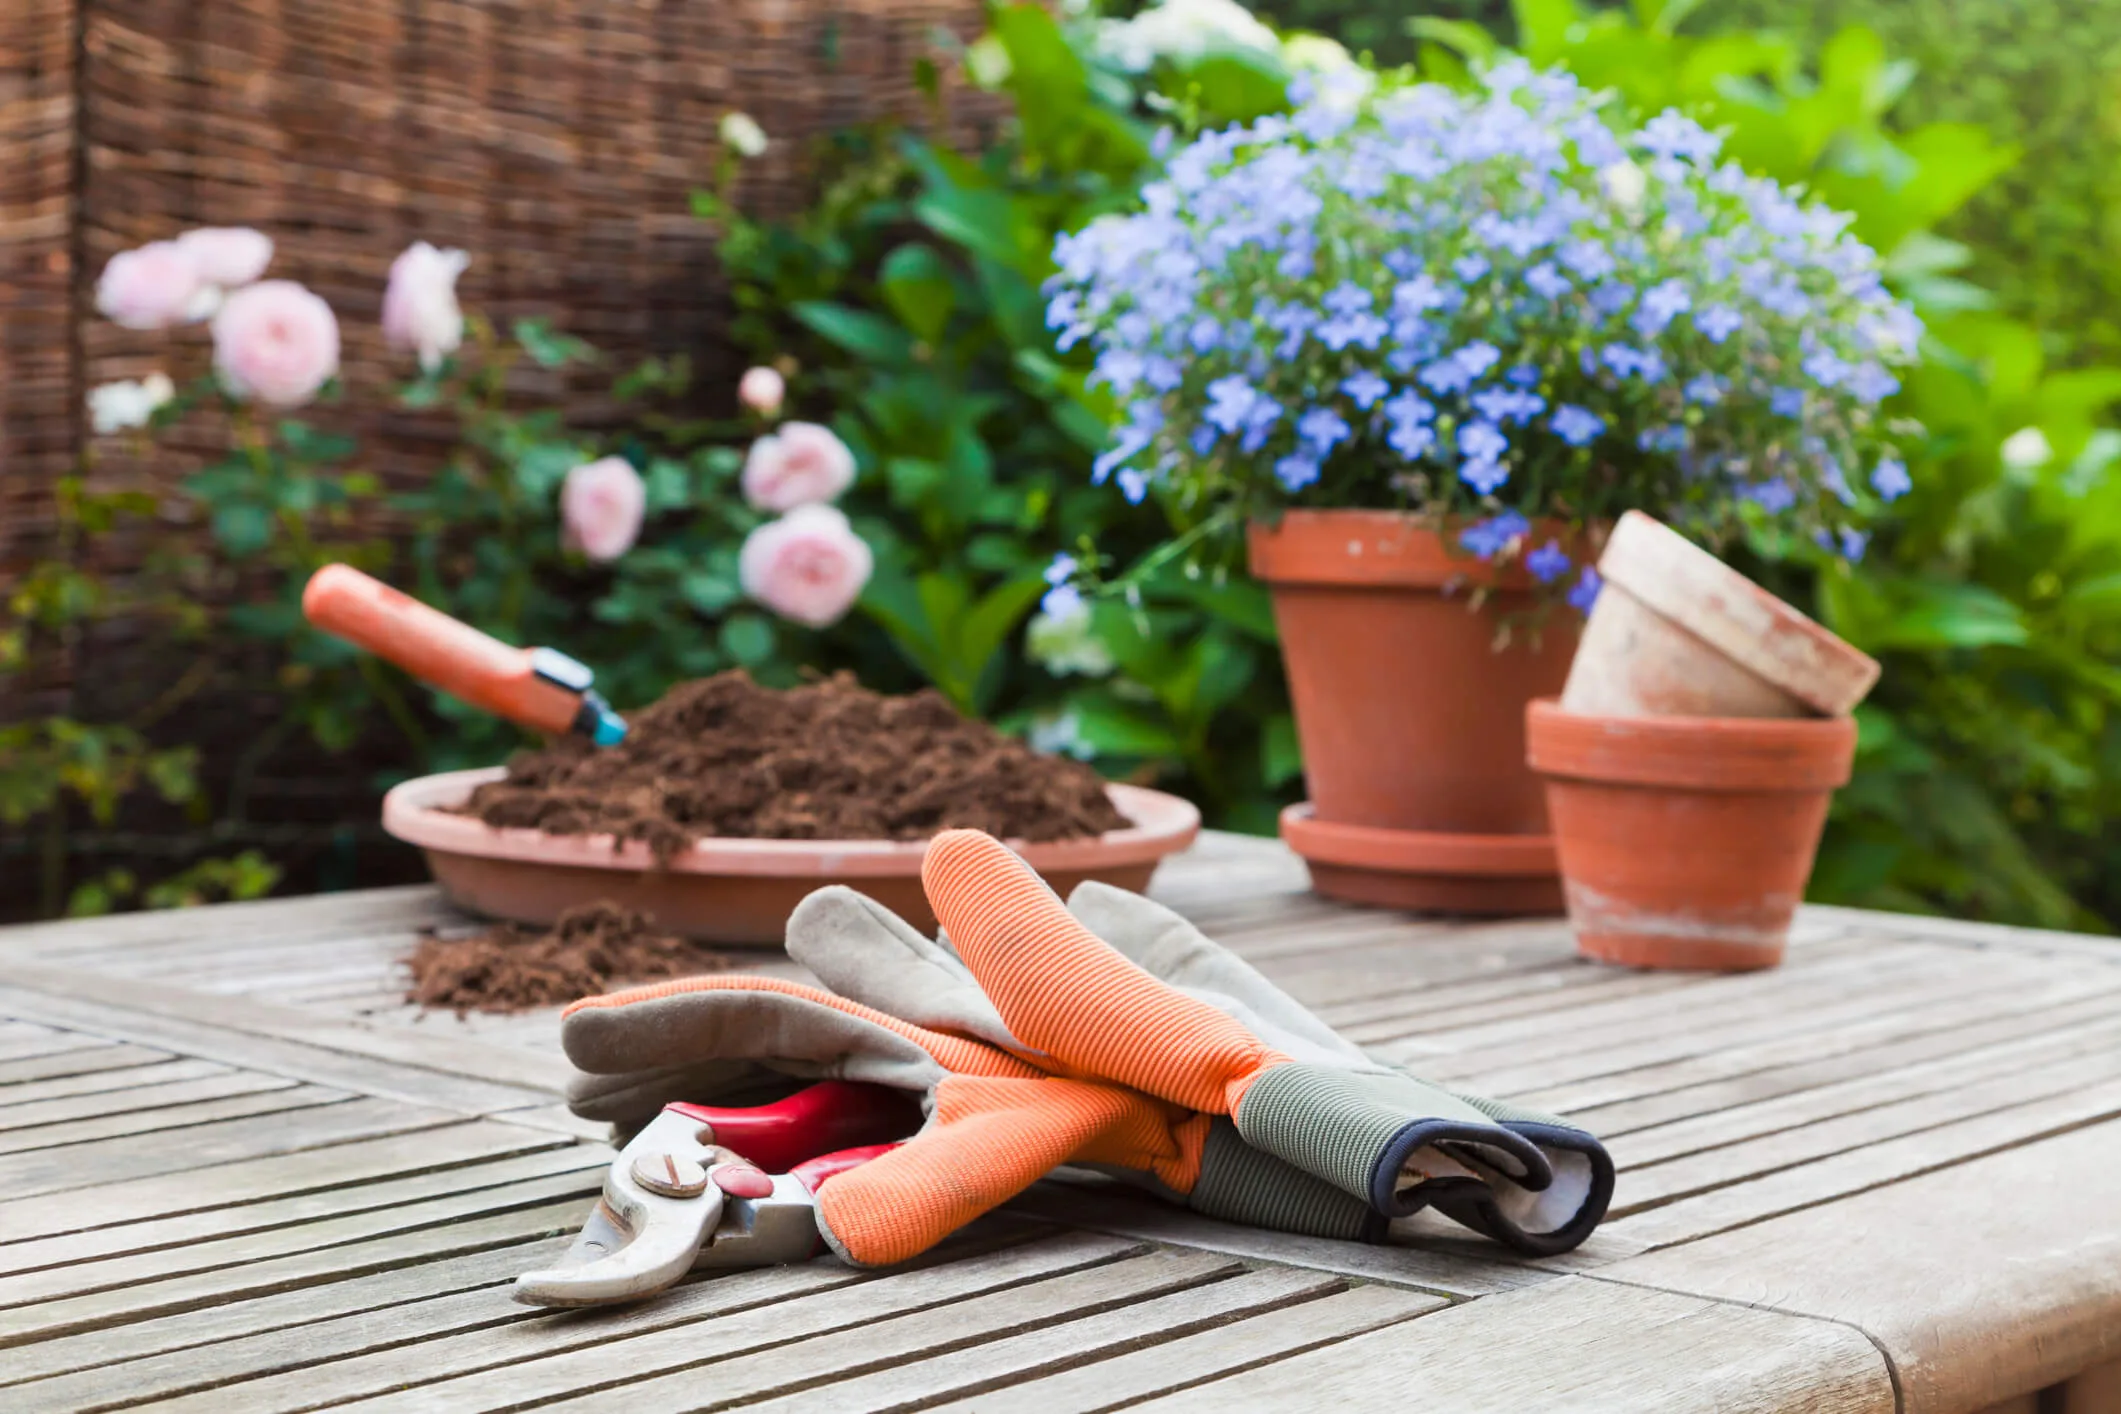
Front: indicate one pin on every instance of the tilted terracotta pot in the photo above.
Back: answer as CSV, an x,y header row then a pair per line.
x,y
1412,724
1686,842
1677,632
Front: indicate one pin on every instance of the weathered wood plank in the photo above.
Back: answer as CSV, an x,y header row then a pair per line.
x,y
1706,1085
47,1285
20,1324
316,918
217,1191
915,1380
1573,1345
334,1119
67,1064
1042,1306
194,1349
215,1083
562,1354
1111,1383
1101,1206
2096,1391
1857,1171
307,1044
127,1080
1982,1281
28,1043
282,1101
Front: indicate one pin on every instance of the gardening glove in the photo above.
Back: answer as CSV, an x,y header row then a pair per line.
x,y
1384,1137
995,1124
1538,1222
865,952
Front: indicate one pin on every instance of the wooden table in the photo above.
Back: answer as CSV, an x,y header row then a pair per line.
x,y
237,1173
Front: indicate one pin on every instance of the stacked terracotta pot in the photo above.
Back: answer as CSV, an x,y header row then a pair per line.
x,y
1690,760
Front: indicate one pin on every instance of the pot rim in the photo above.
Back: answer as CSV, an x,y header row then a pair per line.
x,y
1679,580
1768,755
1408,549
1422,852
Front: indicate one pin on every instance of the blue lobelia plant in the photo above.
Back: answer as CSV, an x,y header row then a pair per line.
x,y
1491,308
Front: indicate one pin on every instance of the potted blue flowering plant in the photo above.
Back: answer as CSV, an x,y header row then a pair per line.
x,y
1426,344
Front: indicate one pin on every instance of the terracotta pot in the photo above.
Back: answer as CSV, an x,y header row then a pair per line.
x,y
1412,723
1678,633
732,891
1686,841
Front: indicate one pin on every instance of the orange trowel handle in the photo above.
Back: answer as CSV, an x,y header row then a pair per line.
x,y
438,649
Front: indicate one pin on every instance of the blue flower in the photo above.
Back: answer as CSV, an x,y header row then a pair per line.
x,y
1447,375
1673,135
1063,601
1661,304
1062,569
1133,484
1490,537
1584,593
1486,477
1718,322
1673,437
1588,259
1482,441
1295,472
1230,402
1410,408
1508,405
1403,262
1611,297
1345,299
1470,267
1548,563
1787,402
1646,364
1293,322
1203,440
1545,281
1524,375
1890,479
1773,495
1321,430
1872,384
1577,426
1826,368
1411,440
1364,388
1366,330
1204,335
1418,296
1706,389
1296,263
1258,423
1853,543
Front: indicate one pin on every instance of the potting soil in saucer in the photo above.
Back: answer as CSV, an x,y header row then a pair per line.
x,y
514,967
726,757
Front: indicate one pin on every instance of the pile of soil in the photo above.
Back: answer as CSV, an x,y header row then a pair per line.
x,y
514,967
830,761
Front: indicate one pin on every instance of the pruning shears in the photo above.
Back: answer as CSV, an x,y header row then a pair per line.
x,y
702,1186
540,688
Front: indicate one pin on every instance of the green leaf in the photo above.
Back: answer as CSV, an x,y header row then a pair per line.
x,y
748,638
709,593
1543,28
865,335
918,287
1232,85
306,443
1280,757
668,485
980,219
912,481
243,530
1114,728
549,348
1939,615
1459,36
990,622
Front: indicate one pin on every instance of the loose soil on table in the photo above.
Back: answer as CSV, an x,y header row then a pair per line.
x,y
514,967
726,757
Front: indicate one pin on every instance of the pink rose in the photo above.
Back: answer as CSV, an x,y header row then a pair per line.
x,y
803,464
153,287
420,304
808,566
227,256
601,504
761,390
276,342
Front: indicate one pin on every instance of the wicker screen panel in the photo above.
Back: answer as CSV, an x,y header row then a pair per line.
x,y
38,402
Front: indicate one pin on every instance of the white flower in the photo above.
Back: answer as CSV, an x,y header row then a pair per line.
x,y
742,134
420,310
2026,448
122,406
1064,644
1182,30
1625,183
1059,734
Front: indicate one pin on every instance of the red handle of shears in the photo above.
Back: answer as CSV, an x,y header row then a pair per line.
x,y
829,1118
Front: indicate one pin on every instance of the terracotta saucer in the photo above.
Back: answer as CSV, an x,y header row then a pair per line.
x,y
731,890
1493,875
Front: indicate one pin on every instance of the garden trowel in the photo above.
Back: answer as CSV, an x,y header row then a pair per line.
x,y
539,688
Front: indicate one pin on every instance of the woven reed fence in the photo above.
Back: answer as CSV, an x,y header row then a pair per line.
x,y
558,141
